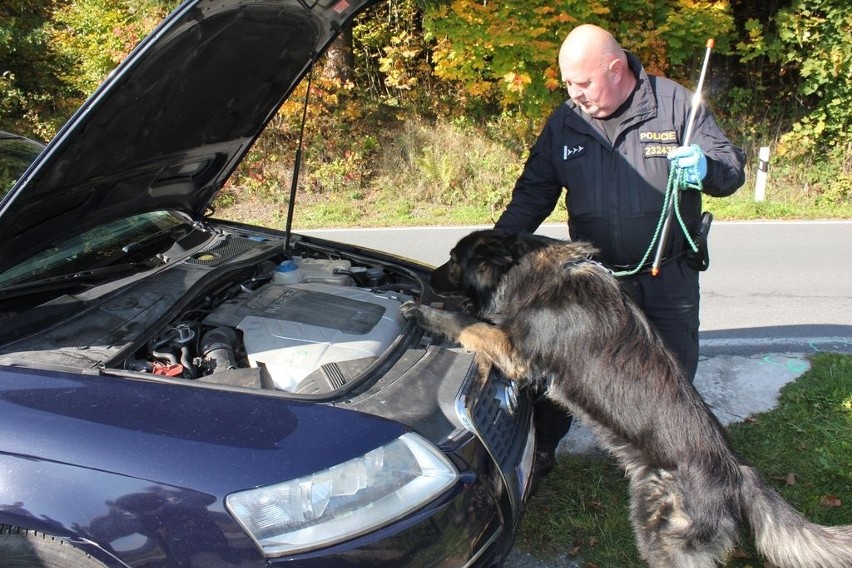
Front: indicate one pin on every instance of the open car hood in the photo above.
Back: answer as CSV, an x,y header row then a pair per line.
x,y
172,122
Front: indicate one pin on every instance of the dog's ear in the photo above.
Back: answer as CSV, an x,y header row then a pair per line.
x,y
490,263
503,263
494,256
500,249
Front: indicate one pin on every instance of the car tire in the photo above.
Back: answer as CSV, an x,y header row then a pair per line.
x,y
24,548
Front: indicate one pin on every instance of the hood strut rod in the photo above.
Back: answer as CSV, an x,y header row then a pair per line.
x,y
298,161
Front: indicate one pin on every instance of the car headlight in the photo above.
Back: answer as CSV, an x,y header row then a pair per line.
x,y
346,500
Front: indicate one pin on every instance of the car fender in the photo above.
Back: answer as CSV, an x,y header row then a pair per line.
x,y
140,467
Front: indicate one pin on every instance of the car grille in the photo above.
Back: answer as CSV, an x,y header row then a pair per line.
x,y
504,431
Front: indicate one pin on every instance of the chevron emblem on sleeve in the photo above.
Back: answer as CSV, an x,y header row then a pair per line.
x,y
573,152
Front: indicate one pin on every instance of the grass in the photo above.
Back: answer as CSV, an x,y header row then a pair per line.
x,y
803,446
417,173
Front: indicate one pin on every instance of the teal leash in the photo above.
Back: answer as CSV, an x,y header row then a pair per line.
x,y
674,185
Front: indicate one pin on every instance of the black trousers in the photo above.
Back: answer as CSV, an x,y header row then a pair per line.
x,y
670,301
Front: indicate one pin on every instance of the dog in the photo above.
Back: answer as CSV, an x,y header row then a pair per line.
x,y
541,309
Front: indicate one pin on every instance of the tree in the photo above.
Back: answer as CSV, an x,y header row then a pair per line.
x,y
340,61
503,54
96,35
31,94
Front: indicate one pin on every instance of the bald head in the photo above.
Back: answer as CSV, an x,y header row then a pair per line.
x,y
595,70
590,45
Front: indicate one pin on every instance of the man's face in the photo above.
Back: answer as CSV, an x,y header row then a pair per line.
x,y
592,87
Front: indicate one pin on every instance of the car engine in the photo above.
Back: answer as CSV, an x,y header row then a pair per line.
x,y
312,336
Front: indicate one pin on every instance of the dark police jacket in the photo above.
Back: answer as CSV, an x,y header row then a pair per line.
x,y
615,190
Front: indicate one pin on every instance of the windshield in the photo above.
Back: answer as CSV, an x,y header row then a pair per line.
x,y
96,248
16,154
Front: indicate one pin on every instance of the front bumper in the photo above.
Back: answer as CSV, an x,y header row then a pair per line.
x,y
484,424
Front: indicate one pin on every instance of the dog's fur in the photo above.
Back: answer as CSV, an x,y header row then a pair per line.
x,y
542,310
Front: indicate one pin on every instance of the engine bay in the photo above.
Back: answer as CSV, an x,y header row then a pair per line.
x,y
305,338
234,317
314,335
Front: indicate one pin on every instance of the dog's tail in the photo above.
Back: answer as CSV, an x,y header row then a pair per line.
x,y
784,536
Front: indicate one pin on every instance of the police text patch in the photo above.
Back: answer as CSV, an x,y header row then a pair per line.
x,y
664,137
657,143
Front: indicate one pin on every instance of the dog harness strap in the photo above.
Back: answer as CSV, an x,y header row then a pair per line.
x,y
585,260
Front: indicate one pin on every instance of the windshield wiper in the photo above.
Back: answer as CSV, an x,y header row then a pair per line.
x,y
82,278
166,235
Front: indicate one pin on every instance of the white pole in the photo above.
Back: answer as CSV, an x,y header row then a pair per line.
x,y
762,169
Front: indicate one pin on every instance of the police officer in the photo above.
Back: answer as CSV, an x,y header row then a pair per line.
x,y
611,146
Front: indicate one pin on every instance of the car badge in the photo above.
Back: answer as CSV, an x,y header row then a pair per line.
x,y
508,397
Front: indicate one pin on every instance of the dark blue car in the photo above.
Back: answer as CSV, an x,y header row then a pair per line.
x,y
176,390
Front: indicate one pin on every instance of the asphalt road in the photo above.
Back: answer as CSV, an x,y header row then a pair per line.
x,y
769,284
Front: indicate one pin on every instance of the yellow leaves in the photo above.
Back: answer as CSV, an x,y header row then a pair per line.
x,y
806,134
516,82
755,30
552,79
472,12
564,18
398,61
839,62
478,88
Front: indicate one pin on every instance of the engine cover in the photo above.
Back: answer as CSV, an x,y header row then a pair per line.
x,y
297,329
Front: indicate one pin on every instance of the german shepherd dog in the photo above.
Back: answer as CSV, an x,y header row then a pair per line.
x,y
540,309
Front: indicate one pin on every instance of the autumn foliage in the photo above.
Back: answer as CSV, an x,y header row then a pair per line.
x,y
781,72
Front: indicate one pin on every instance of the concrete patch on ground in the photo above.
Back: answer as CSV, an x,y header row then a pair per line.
x,y
737,387
518,559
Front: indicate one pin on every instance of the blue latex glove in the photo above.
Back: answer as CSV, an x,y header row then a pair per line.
x,y
692,161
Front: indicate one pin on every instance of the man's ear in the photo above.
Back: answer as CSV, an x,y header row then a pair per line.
x,y
616,66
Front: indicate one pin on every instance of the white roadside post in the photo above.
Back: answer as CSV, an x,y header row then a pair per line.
x,y
762,169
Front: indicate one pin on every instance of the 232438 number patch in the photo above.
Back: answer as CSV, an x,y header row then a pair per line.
x,y
657,150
